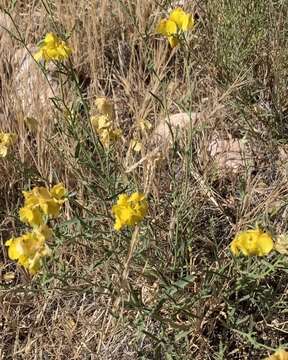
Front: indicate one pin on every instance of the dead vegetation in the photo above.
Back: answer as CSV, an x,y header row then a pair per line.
x,y
213,163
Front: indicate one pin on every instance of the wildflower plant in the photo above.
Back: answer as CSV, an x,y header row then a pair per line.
x,y
251,243
30,248
105,107
169,282
129,210
104,123
175,26
6,141
141,134
136,145
40,205
52,48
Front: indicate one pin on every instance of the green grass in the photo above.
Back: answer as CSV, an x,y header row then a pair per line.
x,y
169,289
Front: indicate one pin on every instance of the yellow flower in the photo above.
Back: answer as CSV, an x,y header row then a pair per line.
x,y
53,48
43,232
144,125
110,136
251,243
177,23
6,140
104,128
167,27
129,210
279,355
30,248
41,202
183,20
105,107
103,124
31,216
100,122
43,198
136,145
59,193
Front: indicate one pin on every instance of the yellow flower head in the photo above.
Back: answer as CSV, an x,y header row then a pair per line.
x,y
30,248
31,216
105,107
100,122
47,203
41,202
279,355
183,20
110,136
105,129
129,210
177,23
136,145
103,124
53,48
252,243
167,27
144,125
43,232
59,193
6,141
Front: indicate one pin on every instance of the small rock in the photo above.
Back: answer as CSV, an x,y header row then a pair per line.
x,y
31,87
6,25
171,126
227,154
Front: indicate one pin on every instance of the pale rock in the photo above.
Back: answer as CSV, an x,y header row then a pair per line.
x,y
31,87
29,90
225,154
6,26
173,125
228,154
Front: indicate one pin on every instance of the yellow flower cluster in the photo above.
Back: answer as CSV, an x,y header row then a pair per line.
x,y
103,124
136,145
279,355
40,205
252,243
177,23
6,141
52,48
129,210
105,107
29,248
143,127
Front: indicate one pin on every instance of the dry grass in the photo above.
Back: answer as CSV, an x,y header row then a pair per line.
x,y
170,289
